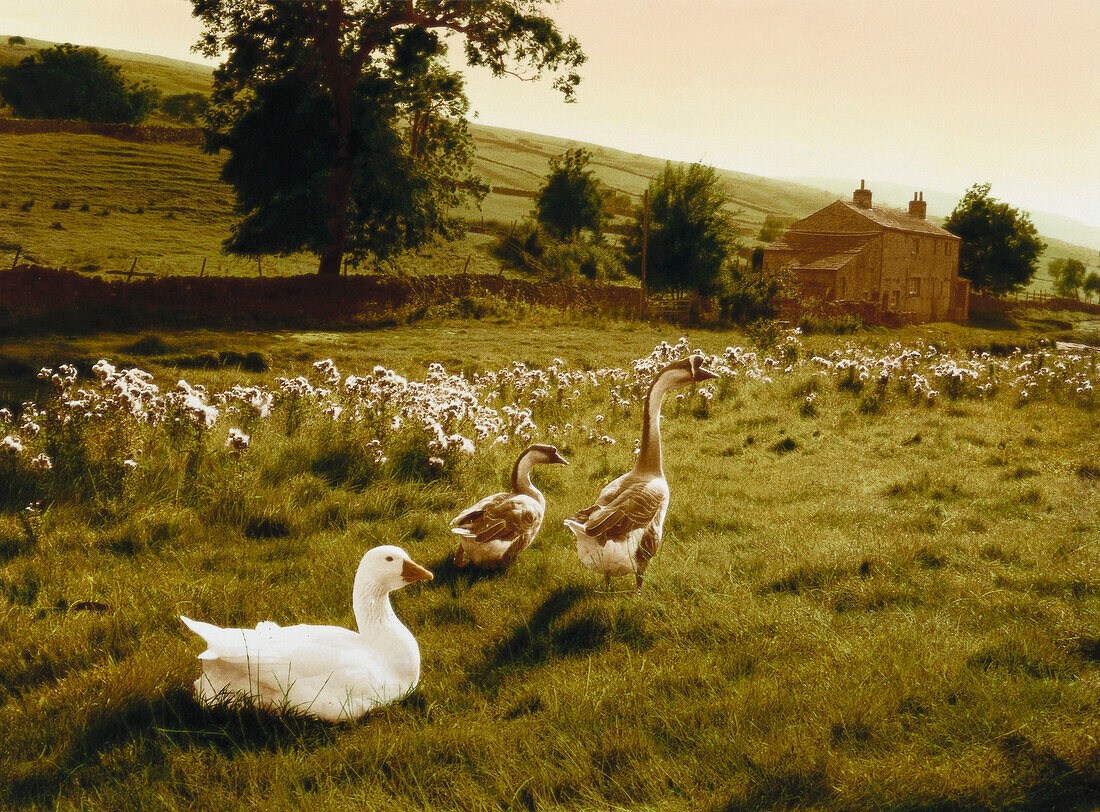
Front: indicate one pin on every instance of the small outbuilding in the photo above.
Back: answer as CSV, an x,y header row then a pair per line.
x,y
881,260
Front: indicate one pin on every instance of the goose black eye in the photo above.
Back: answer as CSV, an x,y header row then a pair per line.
x,y
389,558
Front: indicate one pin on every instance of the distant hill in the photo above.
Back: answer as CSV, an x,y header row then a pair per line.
x,y
515,164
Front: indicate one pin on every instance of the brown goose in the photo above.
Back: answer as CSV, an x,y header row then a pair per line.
x,y
501,526
621,532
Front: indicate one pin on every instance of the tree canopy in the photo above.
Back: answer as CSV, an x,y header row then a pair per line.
x,y
1000,247
1068,275
364,84
691,232
186,107
78,83
570,200
1091,285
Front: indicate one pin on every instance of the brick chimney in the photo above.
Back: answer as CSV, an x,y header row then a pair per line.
x,y
917,206
862,196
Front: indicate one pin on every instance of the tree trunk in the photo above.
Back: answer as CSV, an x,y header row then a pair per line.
x,y
337,196
340,81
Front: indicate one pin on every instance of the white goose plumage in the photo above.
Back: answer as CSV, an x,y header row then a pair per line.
x,y
325,671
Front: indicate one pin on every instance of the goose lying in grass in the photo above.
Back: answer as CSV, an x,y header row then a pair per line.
x,y
325,671
501,526
621,532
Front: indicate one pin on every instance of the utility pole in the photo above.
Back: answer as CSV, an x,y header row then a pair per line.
x,y
645,240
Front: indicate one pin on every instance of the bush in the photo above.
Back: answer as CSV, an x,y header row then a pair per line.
x,y
532,249
70,82
572,260
752,295
185,107
821,324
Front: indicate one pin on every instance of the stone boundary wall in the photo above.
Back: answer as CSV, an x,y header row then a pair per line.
x,y
33,298
190,136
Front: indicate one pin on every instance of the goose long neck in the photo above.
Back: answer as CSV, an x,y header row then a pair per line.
x,y
649,454
521,476
370,601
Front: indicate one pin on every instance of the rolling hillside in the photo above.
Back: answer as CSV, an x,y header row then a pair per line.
x,y
177,188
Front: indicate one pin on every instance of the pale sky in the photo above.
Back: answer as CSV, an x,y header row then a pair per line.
x,y
932,94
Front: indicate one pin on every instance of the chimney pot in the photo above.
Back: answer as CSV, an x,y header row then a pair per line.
x,y
917,206
862,196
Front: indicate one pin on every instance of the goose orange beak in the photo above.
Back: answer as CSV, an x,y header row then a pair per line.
x,y
412,572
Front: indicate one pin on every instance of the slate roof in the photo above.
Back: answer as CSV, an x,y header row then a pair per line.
x,y
833,262
898,220
817,241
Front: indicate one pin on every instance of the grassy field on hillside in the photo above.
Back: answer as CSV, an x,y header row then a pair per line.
x,y
93,203
868,596
169,76
125,179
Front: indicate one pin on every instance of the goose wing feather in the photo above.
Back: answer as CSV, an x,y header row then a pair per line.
x,y
500,517
308,650
629,503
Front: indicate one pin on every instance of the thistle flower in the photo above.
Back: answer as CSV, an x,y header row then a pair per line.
x,y
237,442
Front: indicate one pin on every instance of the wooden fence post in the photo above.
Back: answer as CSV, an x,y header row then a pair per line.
x,y
18,251
132,266
202,270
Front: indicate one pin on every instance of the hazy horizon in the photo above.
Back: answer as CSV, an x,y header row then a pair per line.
x,y
936,96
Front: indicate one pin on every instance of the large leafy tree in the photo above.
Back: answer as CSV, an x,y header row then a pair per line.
x,y
1068,275
1091,286
1000,246
362,84
570,200
78,83
691,231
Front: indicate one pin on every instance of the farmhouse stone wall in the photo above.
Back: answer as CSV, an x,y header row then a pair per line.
x,y
896,262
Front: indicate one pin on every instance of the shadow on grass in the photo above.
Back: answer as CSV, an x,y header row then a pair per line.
x,y
175,718
569,622
446,575
1041,780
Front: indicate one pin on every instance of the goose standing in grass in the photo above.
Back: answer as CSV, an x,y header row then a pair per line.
x,y
501,526
325,671
621,532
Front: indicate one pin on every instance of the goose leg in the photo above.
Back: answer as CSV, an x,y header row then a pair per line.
x,y
607,582
637,584
460,557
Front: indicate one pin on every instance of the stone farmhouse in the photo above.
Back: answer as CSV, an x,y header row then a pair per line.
x,y
884,262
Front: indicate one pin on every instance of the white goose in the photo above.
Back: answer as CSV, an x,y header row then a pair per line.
x,y
500,527
621,532
325,671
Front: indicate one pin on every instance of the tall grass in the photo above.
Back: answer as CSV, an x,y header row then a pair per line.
x,y
852,609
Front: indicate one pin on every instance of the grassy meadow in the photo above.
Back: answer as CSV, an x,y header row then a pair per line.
x,y
878,587
868,596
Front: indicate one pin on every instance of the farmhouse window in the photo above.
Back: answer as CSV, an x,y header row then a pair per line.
x,y
895,297
914,286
